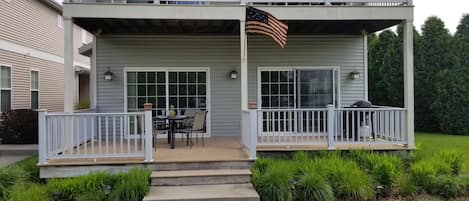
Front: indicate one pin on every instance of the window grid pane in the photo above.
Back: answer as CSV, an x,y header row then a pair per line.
x,y
34,80
5,77
277,89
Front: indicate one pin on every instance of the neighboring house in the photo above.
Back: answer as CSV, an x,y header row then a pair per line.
x,y
258,95
32,56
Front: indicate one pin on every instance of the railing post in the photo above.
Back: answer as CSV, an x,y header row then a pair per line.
x,y
148,132
42,136
253,125
330,127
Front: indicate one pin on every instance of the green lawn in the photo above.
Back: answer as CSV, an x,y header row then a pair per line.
x,y
429,143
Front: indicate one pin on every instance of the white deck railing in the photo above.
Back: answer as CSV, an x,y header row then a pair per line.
x,y
94,135
382,3
327,126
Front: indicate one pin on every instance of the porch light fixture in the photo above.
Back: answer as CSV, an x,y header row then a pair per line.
x,y
355,75
108,74
233,75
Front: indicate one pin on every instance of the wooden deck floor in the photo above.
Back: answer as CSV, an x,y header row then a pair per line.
x,y
216,149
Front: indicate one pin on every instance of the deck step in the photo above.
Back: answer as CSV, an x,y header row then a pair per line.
x,y
221,192
203,165
200,177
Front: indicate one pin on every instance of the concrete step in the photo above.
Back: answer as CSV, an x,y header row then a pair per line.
x,y
222,192
200,177
202,165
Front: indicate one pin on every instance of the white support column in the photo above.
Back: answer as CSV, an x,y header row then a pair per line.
x,y
330,127
68,65
244,65
365,62
409,80
42,135
253,129
148,132
93,80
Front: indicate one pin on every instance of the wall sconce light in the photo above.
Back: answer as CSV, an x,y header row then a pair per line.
x,y
355,75
108,74
233,75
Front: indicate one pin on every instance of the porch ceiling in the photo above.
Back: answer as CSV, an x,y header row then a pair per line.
x,y
228,27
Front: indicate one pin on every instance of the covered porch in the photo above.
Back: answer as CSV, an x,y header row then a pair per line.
x,y
140,49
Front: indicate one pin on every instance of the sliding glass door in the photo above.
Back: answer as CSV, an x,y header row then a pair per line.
x,y
296,88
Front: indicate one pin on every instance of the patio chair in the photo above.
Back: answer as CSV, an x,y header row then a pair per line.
x,y
198,127
159,127
186,124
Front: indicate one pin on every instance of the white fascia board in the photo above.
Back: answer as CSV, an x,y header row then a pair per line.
x,y
125,11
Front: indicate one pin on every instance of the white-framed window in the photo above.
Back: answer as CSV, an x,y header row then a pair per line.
x,y
183,88
5,88
34,86
305,87
84,36
60,21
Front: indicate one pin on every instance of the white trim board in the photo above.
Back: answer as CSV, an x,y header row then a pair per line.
x,y
20,49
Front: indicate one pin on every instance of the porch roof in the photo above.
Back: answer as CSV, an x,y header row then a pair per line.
x,y
105,26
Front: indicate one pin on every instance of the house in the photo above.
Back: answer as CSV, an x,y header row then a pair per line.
x,y
32,56
259,97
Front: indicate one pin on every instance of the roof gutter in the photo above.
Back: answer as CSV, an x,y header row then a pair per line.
x,y
54,5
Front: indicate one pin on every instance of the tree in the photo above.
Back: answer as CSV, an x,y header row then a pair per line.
x,y
461,42
381,61
436,55
451,102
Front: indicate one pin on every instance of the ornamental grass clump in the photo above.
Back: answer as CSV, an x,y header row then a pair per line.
x,y
28,192
385,169
73,188
452,157
10,176
349,181
313,187
274,182
131,186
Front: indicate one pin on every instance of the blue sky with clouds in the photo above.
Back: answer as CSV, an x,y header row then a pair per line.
x,y
450,11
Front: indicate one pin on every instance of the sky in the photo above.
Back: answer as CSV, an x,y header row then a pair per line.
x,y
450,11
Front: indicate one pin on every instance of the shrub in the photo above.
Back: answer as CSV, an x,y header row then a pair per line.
x,y
72,188
448,186
131,186
28,192
313,187
9,176
275,184
19,127
453,158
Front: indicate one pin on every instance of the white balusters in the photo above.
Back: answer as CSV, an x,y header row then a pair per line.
x,y
94,135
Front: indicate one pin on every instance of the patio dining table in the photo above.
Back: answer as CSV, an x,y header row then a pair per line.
x,y
172,127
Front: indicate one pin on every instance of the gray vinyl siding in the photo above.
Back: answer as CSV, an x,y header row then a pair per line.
x,y
345,52
222,55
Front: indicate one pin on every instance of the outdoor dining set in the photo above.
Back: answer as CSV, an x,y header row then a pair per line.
x,y
188,123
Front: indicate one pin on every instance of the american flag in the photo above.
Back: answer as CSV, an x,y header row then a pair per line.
x,y
261,22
